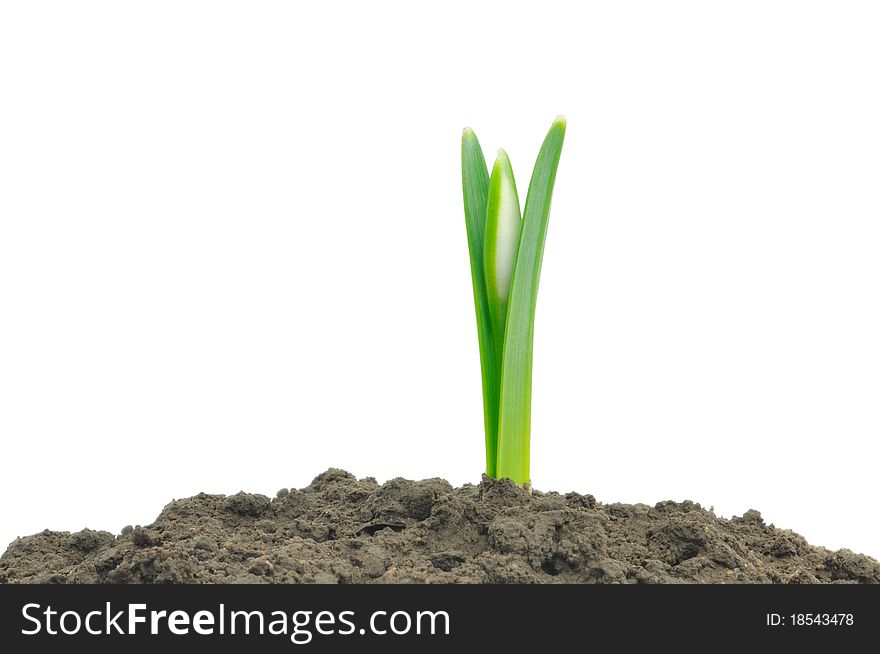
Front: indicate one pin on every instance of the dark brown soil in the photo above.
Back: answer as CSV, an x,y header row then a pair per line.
x,y
342,530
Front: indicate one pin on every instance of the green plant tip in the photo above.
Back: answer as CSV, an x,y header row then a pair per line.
x,y
506,249
503,229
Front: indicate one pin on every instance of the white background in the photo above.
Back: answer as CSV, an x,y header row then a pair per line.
x,y
233,254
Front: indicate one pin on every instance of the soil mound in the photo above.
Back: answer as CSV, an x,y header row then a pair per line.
x,y
343,530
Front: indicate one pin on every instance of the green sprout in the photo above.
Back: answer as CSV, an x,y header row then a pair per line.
x,y
506,248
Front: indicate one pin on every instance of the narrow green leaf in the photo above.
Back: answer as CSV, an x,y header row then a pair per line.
x,y
503,228
475,187
516,368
